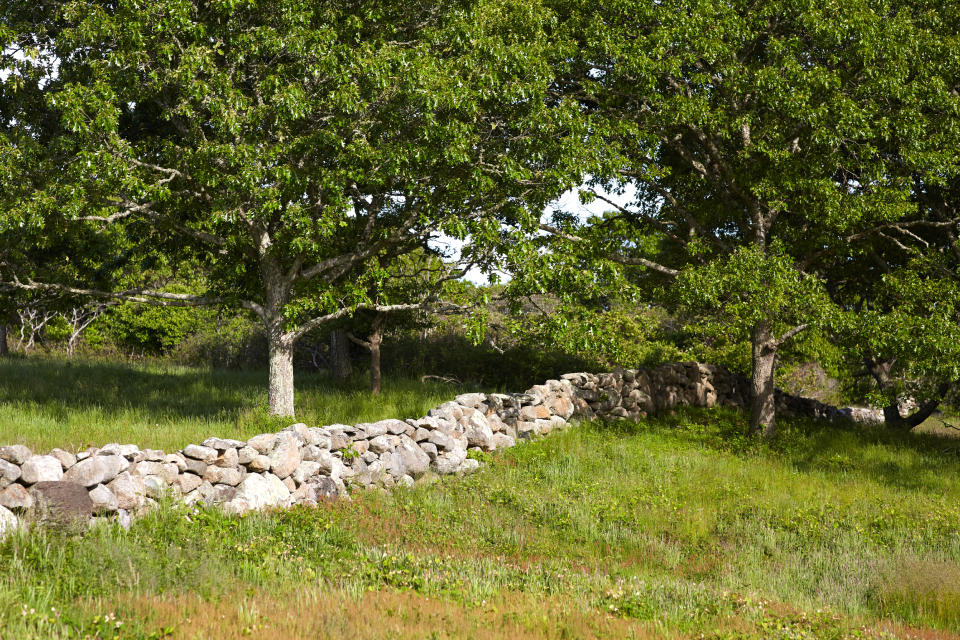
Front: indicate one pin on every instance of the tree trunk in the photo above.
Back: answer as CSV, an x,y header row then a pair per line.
x,y
375,339
340,365
763,407
4,349
281,376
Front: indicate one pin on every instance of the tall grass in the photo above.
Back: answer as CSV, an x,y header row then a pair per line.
x,y
672,527
51,402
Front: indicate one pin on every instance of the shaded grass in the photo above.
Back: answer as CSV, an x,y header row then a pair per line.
x,y
73,403
672,527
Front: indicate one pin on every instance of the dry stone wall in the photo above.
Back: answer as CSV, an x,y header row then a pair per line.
x,y
304,465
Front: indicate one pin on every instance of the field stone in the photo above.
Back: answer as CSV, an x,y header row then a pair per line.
x,y
430,449
449,461
129,490
177,460
194,466
263,443
503,441
8,522
381,444
88,472
246,454
319,437
305,471
373,429
258,491
9,473
41,469
405,481
415,460
222,444
469,466
259,463
111,449
15,453
284,455
187,482
16,496
290,484
103,499
229,458
154,486
222,475
199,452
150,455
421,434
62,502
478,431
65,458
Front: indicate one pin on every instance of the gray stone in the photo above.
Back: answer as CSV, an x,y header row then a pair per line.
x,y
222,444
478,431
503,441
470,399
469,466
395,427
129,490
194,466
82,455
129,451
9,473
154,486
381,444
16,497
449,461
187,482
15,453
421,434
262,443
301,431
199,452
164,470
442,441
228,458
306,470
430,449
258,492
111,449
284,455
8,522
41,469
103,499
223,475
259,463
246,454
177,460
415,459
374,429
319,438
150,455
63,502
405,481
65,458
88,472
290,484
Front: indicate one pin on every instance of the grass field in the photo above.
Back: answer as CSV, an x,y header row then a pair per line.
x,y
675,527
53,402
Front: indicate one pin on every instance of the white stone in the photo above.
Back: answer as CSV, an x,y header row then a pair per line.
x,y
15,453
129,490
199,452
285,454
66,458
258,491
305,471
41,469
104,499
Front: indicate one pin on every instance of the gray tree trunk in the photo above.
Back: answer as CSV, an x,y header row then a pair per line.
x,y
881,372
281,376
340,366
763,408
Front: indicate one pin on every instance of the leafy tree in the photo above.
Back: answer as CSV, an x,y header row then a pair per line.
x,y
757,136
285,147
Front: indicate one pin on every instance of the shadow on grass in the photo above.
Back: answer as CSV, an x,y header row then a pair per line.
x,y
913,461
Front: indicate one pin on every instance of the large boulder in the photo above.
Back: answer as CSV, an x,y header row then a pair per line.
x,y
284,455
63,502
258,491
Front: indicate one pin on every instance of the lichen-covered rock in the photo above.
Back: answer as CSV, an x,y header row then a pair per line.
x,y
8,522
245,455
129,490
258,491
15,453
9,473
63,502
16,497
284,455
41,469
104,500
65,458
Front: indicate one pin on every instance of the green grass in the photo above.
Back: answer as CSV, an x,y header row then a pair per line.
x,y
52,402
673,527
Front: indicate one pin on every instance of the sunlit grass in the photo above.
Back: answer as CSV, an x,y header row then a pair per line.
x,y
673,527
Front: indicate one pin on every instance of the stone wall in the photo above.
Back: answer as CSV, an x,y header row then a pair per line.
x,y
303,465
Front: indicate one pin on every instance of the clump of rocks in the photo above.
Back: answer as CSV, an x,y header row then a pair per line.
x,y
304,465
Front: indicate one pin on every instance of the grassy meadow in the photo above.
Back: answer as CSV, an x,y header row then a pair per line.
x,y
48,402
675,527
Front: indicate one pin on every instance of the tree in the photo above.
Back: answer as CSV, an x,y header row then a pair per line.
x,y
758,136
283,146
